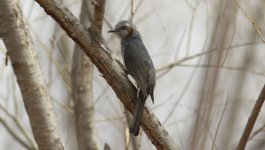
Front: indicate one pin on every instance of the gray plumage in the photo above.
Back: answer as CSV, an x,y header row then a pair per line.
x,y
139,65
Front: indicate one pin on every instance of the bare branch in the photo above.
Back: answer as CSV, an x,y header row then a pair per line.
x,y
252,120
132,11
19,126
97,22
191,26
225,67
252,22
219,122
172,65
257,132
15,136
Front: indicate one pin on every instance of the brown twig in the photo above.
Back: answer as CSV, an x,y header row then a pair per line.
x,y
257,132
173,64
252,21
225,67
132,11
251,120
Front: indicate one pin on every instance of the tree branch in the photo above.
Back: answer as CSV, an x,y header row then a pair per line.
x,y
97,21
110,69
251,120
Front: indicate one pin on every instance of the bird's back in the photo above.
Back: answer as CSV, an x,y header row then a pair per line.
x,y
138,63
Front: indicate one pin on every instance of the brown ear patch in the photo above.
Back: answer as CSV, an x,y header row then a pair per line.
x,y
130,30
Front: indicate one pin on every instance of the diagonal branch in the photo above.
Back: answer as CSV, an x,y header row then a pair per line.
x,y
252,120
251,20
110,70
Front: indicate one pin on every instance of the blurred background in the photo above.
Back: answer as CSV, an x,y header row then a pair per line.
x,y
209,57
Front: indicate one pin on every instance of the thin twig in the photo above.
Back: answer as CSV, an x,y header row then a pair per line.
x,y
225,67
189,81
117,118
251,20
67,109
252,120
138,7
162,25
19,126
189,4
256,132
179,44
183,92
132,12
220,122
171,65
101,94
191,27
230,43
55,62
15,136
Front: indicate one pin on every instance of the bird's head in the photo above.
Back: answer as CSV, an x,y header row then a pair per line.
x,y
125,29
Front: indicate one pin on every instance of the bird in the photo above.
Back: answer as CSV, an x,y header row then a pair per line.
x,y
139,65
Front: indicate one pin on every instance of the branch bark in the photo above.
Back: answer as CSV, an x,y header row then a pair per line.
x,y
82,77
29,77
252,120
97,21
110,69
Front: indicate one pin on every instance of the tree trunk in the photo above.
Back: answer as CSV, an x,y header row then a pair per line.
x,y
35,95
82,79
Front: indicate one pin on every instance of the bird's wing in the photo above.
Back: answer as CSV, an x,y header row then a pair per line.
x,y
138,63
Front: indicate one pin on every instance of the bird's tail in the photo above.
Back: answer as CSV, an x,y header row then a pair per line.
x,y
137,115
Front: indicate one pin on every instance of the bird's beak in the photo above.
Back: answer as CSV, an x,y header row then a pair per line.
x,y
113,31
